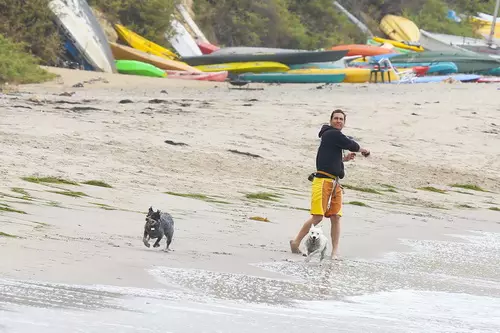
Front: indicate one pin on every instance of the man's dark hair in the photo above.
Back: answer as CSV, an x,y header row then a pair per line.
x,y
338,111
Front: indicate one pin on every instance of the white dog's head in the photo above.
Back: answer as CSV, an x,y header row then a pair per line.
x,y
315,232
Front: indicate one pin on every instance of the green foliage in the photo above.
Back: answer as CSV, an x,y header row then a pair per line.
x,y
275,23
317,24
18,66
150,19
325,24
31,22
431,16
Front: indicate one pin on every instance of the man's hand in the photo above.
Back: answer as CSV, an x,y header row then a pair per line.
x,y
349,157
364,152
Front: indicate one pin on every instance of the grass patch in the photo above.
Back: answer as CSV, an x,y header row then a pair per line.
x,y
103,206
24,194
3,234
258,218
472,187
19,66
198,196
190,195
24,197
496,209
20,190
6,208
262,196
49,180
361,189
71,193
54,204
432,189
358,203
97,183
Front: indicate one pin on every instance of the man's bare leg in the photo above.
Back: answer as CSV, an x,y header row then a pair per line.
x,y
294,244
335,234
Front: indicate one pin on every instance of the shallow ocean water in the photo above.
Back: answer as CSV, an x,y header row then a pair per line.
x,y
439,286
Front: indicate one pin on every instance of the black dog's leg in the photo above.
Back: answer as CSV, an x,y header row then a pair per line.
x,y
145,238
160,236
169,240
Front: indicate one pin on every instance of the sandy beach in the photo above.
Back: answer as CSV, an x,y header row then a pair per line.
x,y
411,242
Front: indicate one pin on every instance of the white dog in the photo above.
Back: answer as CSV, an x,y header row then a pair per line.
x,y
316,243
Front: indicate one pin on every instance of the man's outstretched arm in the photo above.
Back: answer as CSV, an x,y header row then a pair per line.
x,y
345,143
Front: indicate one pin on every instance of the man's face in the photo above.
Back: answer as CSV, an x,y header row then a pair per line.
x,y
337,121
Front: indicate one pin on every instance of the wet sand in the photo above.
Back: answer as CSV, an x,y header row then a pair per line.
x,y
409,249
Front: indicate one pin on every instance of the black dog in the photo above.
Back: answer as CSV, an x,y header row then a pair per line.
x,y
158,224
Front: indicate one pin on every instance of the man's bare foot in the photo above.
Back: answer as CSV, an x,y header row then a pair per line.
x,y
294,248
334,256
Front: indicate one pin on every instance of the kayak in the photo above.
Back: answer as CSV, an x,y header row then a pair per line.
x,y
370,41
363,50
123,52
441,78
416,47
207,48
399,28
291,78
245,67
214,76
442,68
489,80
352,74
142,44
286,58
134,67
465,63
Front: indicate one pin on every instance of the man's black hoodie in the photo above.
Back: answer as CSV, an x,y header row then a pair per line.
x,y
329,156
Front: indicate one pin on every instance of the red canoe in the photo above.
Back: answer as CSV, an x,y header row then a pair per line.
x,y
363,50
207,48
212,76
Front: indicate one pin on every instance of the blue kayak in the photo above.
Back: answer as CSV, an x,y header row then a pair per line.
x,y
292,78
442,68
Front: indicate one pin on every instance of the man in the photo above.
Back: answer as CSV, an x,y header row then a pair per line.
x,y
326,196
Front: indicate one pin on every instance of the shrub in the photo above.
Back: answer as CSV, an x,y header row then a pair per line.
x,y
18,66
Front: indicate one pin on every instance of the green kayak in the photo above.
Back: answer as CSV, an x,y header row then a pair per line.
x,y
291,78
134,67
466,63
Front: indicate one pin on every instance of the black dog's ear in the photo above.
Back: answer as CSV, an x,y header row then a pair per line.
x,y
150,209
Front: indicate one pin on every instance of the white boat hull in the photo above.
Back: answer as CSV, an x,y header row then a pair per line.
x,y
182,41
79,24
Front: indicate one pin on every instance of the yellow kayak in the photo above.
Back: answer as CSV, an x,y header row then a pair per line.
x,y
245,67
142,44
401,45
352,75
400,28
484,27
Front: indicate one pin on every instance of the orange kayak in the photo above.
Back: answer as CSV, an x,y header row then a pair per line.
x,y
363,50
122,52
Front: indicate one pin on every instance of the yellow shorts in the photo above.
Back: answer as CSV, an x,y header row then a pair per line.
x,y
323,200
